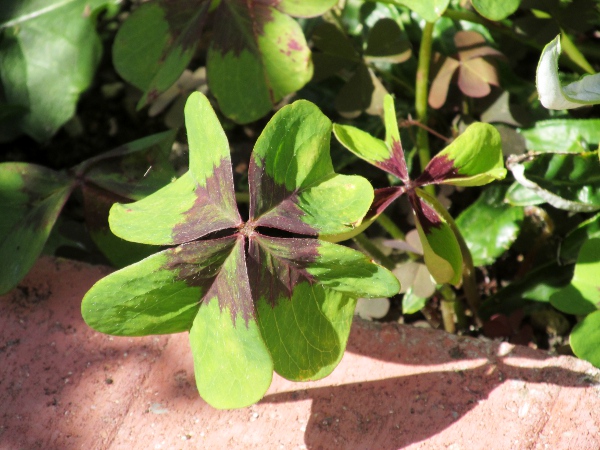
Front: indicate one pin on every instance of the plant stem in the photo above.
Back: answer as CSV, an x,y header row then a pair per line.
x,y
364,242
388,225
421,95
468,278
447,305
242,197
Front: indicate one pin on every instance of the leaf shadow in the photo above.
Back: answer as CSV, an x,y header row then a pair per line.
x,y
394,412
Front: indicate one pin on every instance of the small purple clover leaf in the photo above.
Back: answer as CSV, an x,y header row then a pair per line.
x,y
253,43
252,303
473,159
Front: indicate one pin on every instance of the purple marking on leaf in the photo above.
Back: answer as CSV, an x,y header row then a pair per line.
x,y
240,24
396,164
440,168
186,19
293,44
383,198
218,268
214,209
272,204
277,265
428,217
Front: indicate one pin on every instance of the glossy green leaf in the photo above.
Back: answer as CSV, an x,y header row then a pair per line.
x,y
495,10
472,159
198,203
292,182
585,339
490,226
582,296
32,197
562,135
440,246
553,95
430,10
48,54
569,181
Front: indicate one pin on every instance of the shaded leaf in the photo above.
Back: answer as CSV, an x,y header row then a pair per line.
x,y
48,55
490,226
475,74
412,303
387,42
133,170
582,296
32,197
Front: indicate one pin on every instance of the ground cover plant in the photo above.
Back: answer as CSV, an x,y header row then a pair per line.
x,y
427,101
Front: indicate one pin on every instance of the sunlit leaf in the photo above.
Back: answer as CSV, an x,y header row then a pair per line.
x,y
582,296
585,338
472,159
495,10
553,95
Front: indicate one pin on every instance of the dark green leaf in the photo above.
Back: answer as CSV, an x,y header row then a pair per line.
x,y
490,226
32,197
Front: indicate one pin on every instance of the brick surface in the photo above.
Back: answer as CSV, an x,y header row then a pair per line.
x,y
64,386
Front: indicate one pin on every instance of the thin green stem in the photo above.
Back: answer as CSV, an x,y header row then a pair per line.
x,y
242,197
388,225
447,307
421,95
372,250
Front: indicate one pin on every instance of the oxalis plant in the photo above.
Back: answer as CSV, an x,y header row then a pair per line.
x,y
473,159
254,297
